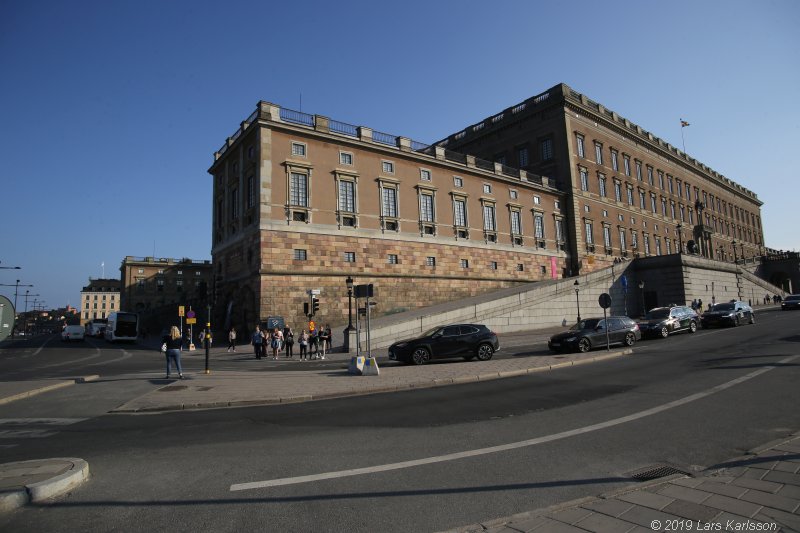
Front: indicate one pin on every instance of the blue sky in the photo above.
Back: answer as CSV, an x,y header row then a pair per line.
x,y
110,111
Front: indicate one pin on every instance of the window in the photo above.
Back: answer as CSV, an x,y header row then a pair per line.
x,y
688,191
670,185
556,203
251,191
430,261
653,203
464,263
538,226
537,200
639,172
350,257
584,179
513,194
458,182
615,160
579,143
598,153
388,167
298,189
547,149
389,202
489,221
520,267
391,259
560,230
299,149
234,203
602,182
345,158
589,232
663,206
634,239
424,175
159,284
459,212
622,244
629,191
347,196
487,188
660,179
426,208
627,162
617,191
141,271
522,156
642,200
300,255
493,265
516,223
607,237
646,244
500,158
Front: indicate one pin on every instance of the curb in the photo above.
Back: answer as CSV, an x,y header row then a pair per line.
x,y
48,388
47,489
388,388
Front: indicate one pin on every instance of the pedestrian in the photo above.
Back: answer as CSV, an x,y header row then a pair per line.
x,y
288,339
700,305
694,304
304,346
172,343
257,341
313,339
329,338
323,341
276,342
232,340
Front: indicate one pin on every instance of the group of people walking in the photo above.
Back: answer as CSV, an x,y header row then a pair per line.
x,y
313,344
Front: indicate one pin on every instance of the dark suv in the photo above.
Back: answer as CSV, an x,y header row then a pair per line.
x,y
663,321
458,340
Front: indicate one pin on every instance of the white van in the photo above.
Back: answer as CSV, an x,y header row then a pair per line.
x,y
73,333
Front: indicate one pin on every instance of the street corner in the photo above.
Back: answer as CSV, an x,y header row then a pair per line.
x,y
39,480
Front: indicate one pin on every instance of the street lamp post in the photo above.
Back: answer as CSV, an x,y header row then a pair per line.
x,y
577,298
349,329
641,288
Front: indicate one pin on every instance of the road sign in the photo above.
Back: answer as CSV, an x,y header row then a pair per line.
x,y
364,291
313,292
604,300
181,310
311,325
191,321
190,314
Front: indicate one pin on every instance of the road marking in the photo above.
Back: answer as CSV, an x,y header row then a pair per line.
x,y
40,421
510,446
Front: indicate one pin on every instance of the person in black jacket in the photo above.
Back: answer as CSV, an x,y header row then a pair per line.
x,y
173,344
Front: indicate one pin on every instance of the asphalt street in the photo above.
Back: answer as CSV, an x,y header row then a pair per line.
x,y
692,401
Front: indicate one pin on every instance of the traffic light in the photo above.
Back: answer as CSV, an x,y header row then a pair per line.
x,y
314,305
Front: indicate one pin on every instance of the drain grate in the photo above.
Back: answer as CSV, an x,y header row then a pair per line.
x,y
656,471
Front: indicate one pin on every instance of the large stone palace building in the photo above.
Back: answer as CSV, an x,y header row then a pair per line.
x,y
552,187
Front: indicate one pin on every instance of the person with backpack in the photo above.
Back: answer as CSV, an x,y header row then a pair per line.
x,y
257,341
288,339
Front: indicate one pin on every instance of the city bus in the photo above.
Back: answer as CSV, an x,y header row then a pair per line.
x,y
122,327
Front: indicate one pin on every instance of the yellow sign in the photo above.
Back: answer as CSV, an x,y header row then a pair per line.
x,y
191,321
311,325
180,310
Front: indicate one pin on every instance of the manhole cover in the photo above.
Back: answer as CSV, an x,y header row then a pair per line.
x,y
171,388
656,471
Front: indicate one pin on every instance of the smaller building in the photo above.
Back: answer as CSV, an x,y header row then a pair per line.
x,y
99,299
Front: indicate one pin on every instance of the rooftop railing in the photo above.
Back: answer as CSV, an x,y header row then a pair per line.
x,y
384,138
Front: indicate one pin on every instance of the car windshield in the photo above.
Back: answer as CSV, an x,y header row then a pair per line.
x,y
657,313
723,307
590,323
792,298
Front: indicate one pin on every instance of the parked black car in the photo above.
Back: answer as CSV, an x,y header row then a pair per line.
x,y
663,321
731,313
591,332
458,340
791,302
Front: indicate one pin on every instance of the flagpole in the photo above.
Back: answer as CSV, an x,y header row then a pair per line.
x,y
683,142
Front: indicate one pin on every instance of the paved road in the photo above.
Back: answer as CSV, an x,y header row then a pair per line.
x,y
563,435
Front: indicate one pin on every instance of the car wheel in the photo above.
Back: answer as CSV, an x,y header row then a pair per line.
x,y
737,321
584,345
485,352
630,338
664,332
420,356
692,326
752,318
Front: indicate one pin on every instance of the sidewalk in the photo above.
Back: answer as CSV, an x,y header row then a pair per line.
x,y
757,492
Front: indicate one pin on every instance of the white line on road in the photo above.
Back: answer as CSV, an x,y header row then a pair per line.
x,y
509,446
